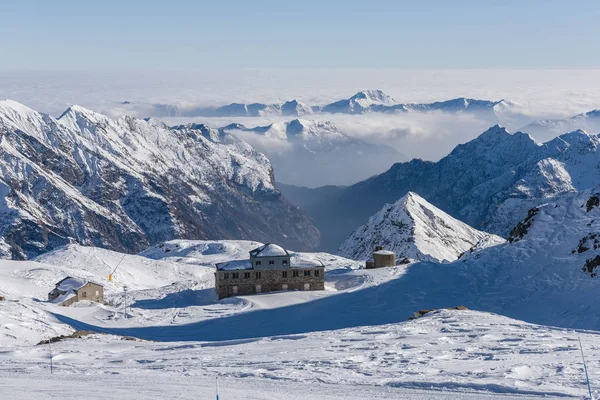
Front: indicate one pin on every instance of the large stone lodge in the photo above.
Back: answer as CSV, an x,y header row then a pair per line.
x,y
269,269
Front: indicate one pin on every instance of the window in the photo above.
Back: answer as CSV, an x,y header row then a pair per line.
x,y
271,262
317,272
246,275
296,274
284,262
84,294
97,293
306,273
226,275
258,275
235,275
284,274
257,263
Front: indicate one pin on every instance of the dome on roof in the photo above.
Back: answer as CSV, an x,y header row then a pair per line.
x,y
269,250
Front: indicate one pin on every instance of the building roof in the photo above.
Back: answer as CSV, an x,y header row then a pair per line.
x,y
384,252
234,265
299,261
269,250
69,283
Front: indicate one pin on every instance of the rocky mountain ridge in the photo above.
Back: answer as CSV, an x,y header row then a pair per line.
x,y
125,184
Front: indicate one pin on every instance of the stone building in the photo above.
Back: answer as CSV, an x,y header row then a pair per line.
x,y
270,268
71,290
381,258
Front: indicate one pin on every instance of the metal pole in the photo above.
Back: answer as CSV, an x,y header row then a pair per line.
x,y
217,381
50,346
587,378
125,291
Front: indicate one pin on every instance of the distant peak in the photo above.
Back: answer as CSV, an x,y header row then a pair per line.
x,y
78,110
575,137
373,95
496,130
235,126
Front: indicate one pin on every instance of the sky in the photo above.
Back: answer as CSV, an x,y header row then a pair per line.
x,y
189,34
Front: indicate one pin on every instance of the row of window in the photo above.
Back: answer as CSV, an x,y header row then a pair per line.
x,y
272,262
284,274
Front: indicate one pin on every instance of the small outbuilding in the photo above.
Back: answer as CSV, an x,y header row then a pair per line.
x,y
71,290
381,258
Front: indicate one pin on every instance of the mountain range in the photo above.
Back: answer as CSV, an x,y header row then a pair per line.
x,y
128,183
489,183
313,153
362,102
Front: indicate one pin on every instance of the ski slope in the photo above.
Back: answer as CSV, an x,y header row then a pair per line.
x,y
351,340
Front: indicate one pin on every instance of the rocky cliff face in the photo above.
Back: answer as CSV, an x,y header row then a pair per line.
x,y
125,184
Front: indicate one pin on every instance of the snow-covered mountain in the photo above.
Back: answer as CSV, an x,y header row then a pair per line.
x,y
488,183
414,229
127,183
293,108
362,102
359,103
589,122
314,153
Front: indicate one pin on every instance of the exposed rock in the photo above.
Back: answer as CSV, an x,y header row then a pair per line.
x,y
593,201
421,313
591,264
519,231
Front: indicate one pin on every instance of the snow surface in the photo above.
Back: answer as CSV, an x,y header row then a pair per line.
x,y
415,229
353,338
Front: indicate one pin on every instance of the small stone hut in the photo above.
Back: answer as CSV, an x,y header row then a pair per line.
x,y
270,268
381,258
71,290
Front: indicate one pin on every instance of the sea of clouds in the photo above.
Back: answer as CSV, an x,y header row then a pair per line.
x,y
538,94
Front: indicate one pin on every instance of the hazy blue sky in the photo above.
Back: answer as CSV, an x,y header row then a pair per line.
x,y
128,34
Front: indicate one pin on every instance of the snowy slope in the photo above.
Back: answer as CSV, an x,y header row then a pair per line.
x,y
414,229
446,355
354,335
127,183
312,153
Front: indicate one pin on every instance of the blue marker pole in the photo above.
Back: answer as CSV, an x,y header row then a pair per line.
x,y
217,382
50,345
585,369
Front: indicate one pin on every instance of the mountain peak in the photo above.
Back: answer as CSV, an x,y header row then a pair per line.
x,y
16,115
415,229
374,96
